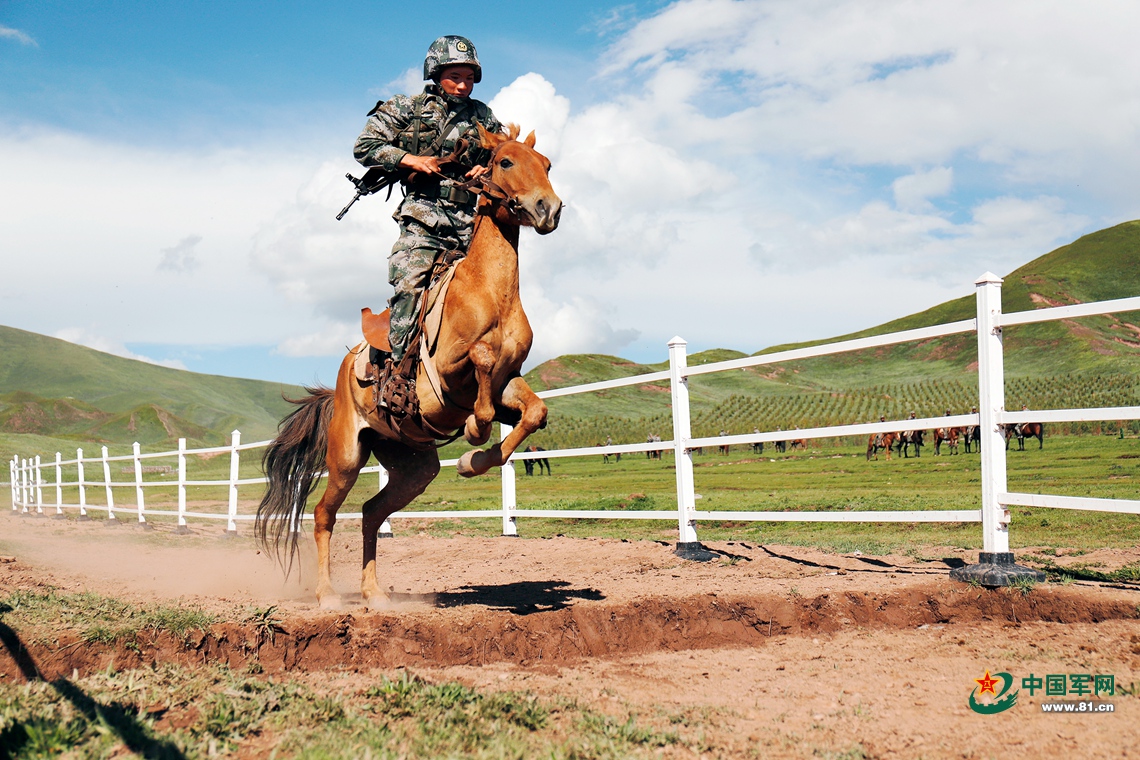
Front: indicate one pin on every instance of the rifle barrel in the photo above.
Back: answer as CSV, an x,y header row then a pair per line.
x,y
344,210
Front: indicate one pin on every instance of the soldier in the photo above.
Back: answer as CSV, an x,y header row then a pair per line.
x,y
416,134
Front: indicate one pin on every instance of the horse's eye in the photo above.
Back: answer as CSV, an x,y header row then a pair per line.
x,y
506,163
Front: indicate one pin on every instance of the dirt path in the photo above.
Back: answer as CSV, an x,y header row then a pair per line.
x,y
770,651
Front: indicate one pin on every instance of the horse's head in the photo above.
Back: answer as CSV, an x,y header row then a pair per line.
x,y
523,176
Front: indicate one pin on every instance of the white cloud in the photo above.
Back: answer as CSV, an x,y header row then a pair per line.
x,y
8,33
332,340
752,172
531,102
84,337
335,268
914,191
409,82
906,83
180,258
99,233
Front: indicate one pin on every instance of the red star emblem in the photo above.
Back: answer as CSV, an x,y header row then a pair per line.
x,y
986,683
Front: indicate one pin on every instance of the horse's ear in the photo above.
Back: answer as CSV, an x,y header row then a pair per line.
x,y
490,140
529,141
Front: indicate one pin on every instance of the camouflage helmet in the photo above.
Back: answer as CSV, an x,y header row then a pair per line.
x,y
451,50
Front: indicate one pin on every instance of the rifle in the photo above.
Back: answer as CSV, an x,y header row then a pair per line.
x,y
373,181
376,179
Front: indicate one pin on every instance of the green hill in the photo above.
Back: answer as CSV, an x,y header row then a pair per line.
x,y
1097,267
54,394
1090,362
63,393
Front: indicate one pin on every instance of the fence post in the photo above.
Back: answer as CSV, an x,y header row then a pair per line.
x,y
82,486
59,486
382,482
182,487
25,494
107,486
688,547
235,470
510,502
12,480
39,488
136,450
995,565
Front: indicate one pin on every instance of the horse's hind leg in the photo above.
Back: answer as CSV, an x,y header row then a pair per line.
x,y
345,458
409,473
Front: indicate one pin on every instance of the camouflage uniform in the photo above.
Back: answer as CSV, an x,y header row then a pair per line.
x,y
435,216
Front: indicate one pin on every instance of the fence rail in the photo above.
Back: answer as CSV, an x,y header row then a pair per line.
x,y
28,484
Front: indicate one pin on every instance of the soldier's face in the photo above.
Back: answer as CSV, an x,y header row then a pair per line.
x,y
457,80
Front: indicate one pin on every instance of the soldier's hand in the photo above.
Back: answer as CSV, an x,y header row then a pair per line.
x,y
425,164
477,172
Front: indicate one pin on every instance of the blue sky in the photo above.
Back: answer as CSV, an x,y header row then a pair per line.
x,y
233,71
739,172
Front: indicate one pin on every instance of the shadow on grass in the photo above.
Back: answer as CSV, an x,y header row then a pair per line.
x,y
114,717
521,598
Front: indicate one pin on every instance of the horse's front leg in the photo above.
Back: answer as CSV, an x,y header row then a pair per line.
x,y
518,396
477,431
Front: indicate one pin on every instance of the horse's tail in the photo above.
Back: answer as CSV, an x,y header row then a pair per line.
x,y
293,464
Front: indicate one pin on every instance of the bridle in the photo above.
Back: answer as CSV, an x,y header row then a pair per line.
x,y
496,195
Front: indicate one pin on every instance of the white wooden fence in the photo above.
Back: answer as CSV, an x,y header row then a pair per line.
x,y
28,483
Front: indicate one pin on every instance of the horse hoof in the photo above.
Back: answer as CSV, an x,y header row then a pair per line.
x,y
472,435
464,466
377,602
330,602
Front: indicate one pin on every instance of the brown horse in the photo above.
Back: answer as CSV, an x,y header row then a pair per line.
x,y
909,438
949,436
482,343
1023,431
880,441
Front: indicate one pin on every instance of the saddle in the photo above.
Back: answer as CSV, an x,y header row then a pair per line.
x,y
394,385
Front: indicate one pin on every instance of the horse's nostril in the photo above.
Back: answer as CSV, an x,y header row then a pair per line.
x,y
541,207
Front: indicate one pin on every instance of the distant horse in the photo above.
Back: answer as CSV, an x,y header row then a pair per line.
x,y
908,439
799,443
880,441
481,345
1023,431
973,435
950,436
528,464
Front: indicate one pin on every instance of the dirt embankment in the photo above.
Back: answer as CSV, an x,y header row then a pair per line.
x,y
771,644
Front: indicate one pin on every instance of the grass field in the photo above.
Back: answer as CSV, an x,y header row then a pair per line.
x,y
831,477
180,712
827,478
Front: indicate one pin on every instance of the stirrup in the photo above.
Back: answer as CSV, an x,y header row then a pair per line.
x,y
397,391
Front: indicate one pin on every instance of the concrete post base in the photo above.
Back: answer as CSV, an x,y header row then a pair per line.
x,y
694,551
995,569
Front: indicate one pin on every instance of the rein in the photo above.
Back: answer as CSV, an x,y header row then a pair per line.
x,y
496,195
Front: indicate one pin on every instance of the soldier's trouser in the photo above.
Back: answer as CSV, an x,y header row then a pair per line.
x,y
409,268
